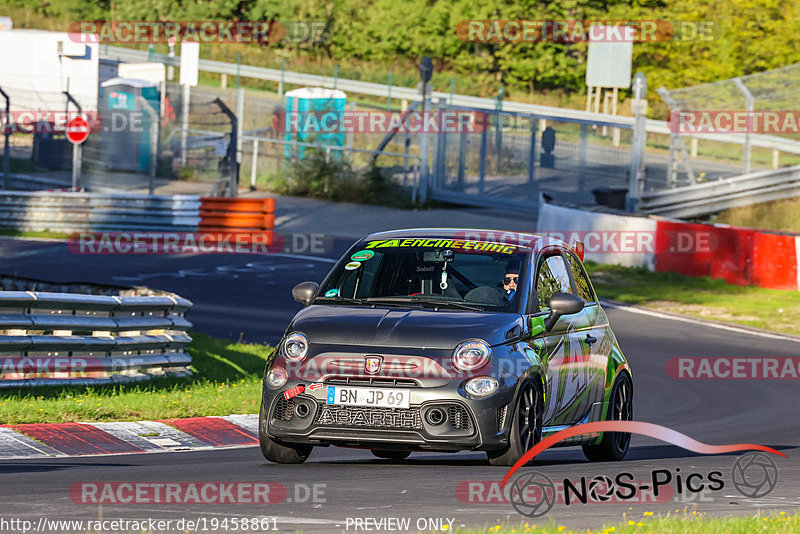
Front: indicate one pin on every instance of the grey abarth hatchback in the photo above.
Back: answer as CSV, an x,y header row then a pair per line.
x,y
446,340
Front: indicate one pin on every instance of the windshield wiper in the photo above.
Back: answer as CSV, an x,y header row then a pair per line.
x,y
430,302
457,304
341,300
375,301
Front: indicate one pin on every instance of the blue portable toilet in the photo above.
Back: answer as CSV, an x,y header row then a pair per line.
x,y
127,148
313,115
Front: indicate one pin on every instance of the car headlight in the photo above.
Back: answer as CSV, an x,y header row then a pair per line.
x,y
471,355
482,386
295,347
276,377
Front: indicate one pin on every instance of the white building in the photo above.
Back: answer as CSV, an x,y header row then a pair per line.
x,y
37,66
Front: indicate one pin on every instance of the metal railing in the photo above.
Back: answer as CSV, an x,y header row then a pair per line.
x,y
71,212
58,339
712,197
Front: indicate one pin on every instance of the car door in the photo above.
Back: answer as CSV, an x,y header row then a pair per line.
x,y
597,338
561,349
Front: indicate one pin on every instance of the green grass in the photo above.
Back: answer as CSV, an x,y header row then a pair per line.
x,y
40,234
227,380
702,297
683,522
782,215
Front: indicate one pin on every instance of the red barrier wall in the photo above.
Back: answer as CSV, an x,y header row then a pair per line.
x,y
740,256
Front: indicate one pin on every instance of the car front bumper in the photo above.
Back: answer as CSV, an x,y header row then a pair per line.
x,y
467,423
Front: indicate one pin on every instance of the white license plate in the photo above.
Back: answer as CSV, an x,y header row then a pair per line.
x,y
378,397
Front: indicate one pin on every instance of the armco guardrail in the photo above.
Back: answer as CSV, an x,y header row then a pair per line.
x,y
59,339
70,212
713,197
409,93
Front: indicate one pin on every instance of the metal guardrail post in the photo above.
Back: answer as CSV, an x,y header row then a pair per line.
x,y
582,159
6,134
484,134
462,156
389,92
238,67
498,133
452,88
441,147
239,123
638,142
185,96
424,150
154,131
254,167
748,96
283,74
532,160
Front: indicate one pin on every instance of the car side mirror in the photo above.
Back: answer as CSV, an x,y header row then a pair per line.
x,y
304,292
562,304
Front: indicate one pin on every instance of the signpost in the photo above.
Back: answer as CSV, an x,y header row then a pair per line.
x,y
77,132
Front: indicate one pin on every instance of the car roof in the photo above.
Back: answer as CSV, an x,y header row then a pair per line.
x,y
477,234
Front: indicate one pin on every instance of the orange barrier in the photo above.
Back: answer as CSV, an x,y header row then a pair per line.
x,y
255,216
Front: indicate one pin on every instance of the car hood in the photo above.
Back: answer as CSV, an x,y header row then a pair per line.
x,y
401,327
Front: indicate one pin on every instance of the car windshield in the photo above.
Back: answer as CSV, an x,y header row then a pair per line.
x,y
428,272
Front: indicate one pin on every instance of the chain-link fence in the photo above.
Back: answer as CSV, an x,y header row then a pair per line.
x,y
715,107
516,156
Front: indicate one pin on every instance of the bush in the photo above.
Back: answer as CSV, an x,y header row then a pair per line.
x,y
333,178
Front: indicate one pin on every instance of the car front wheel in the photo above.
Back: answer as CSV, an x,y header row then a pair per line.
x,y
526,426
280,453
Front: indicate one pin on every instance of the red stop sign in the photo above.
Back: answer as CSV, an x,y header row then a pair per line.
x,y
77,130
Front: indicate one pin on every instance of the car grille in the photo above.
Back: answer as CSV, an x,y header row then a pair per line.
x,y
459,417
365,417
501,417
284,409
372,381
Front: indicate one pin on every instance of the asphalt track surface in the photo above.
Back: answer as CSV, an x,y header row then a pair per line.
x,y
249,297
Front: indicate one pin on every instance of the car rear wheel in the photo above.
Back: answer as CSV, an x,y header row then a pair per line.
x,y
526,426
391,455
614,445
280,453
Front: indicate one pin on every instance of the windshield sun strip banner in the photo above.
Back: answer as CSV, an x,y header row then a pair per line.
x,y
424,242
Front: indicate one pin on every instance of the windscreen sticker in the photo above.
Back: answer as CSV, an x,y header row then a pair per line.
x,y
332,292
353,265
362,255
479,246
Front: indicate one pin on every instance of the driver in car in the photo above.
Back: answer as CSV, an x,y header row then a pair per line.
x,y
510,281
